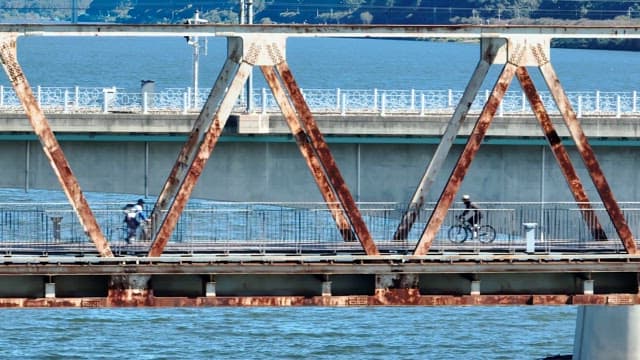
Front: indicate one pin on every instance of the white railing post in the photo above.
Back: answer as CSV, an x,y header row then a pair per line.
x,y
1,95
338,97
486,95
105,101
344,104
375,100
185,102
383,104
39,90
634,100
189,94
65,108
422,104
524,103
579,106
76,98
501,109
413,99
597,100
450,99
618,106
145,105
264,100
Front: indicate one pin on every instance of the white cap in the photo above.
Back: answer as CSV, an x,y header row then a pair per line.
x,y
466,197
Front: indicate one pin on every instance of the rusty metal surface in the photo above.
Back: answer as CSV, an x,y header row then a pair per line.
x,y
50,145
406,297
561,154
448,137
311,158
588,157
198,164
464,161
327,161
261,266
188,151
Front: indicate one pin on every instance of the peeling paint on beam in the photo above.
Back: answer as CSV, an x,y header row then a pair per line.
x,y
302,140
561,154
387,298
50,145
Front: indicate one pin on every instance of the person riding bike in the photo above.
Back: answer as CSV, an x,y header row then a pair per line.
x,y
471,214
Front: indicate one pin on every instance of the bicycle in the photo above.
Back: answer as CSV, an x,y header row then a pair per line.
x,y
459,233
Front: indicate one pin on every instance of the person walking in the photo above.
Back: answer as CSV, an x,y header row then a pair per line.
x,y
134,216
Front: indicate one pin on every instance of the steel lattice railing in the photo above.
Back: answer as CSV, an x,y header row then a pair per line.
x,y
326,101
308,227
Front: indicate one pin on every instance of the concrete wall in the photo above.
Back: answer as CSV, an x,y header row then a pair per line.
x,y
260,170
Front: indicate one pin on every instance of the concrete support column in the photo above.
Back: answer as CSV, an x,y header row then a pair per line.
x,y
210,288
50,289
326,286
130,290
607,332
475,287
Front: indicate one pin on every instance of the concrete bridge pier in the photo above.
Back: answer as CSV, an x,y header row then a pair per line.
x,y
607,332
130,290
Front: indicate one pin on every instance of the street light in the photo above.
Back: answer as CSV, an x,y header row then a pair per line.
x,y
194,41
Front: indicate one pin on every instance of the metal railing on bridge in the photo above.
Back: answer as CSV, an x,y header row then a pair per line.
x,y
277,228
328,101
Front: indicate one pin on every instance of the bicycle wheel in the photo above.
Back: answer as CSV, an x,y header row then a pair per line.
x,y
486,234
458,234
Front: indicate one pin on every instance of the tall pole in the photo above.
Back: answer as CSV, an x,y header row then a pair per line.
x,y
194,41
241,16
74,11
250,79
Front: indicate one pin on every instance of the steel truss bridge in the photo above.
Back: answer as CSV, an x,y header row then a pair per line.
x,y
368,274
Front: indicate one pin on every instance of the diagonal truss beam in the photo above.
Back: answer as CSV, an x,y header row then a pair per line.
x,y
302,140
196,167
189,149
50,145
561,154
464,161
412,213
588,156
326,160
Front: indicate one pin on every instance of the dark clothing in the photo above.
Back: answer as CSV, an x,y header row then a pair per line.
x,y
471,214
134,215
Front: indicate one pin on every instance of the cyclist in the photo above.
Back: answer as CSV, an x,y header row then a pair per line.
x,y
471,213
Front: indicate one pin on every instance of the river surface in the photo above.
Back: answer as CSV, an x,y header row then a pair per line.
x,y
291,333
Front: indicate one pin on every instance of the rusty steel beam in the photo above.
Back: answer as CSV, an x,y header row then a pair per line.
x,y
561,154
404,297
326,159
201,157
412,213
464,161
302,140
188,151
588,156
50,145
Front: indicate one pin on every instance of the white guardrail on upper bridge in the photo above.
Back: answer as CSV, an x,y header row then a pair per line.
x,y
321,101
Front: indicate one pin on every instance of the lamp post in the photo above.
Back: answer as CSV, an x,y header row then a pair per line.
x,y
249,21
194,41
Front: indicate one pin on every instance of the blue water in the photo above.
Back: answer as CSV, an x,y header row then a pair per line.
x,y
289,333
316,63
294,333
